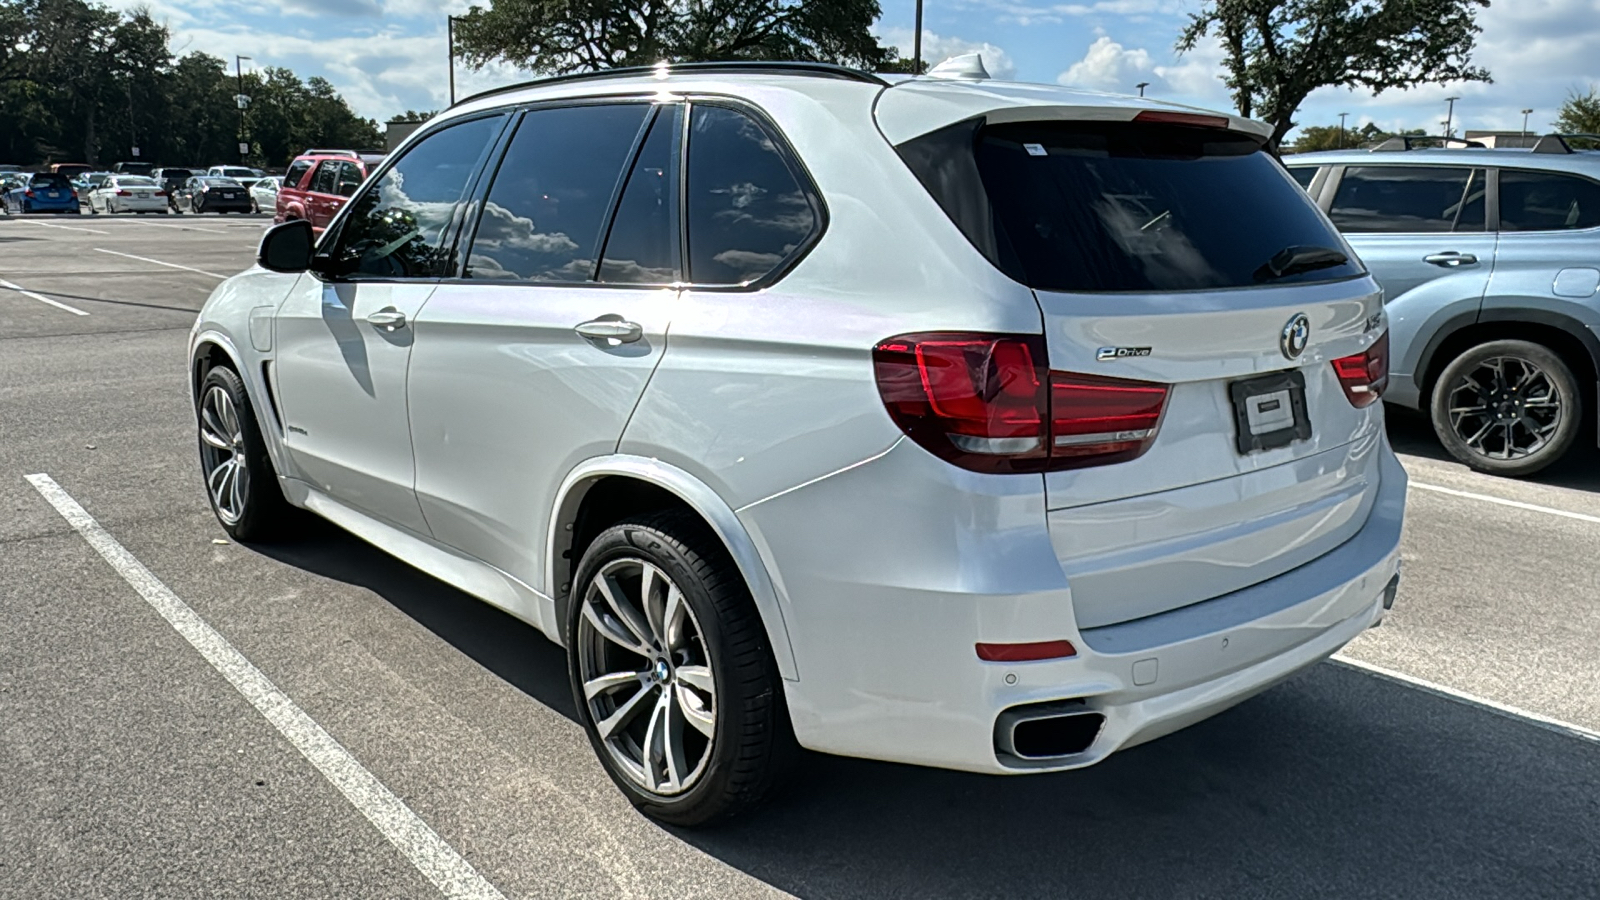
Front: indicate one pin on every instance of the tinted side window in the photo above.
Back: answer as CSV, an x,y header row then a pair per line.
x,y
1303,175
1409,199
297,171
1545,201
747,211
327,177
642,247
350,177
401,225
547,207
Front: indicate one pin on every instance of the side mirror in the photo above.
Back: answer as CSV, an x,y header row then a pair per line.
x,y
287,247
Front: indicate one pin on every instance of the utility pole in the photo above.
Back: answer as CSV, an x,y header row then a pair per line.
x,y
1450,114
1525,114
916,43
1341,129
1141,86
133,126
450,32
242,100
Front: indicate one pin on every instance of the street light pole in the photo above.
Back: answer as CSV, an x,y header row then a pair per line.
x,y
241,101
916,43
1141,86
1450,114
1341,129
450,32
1525,114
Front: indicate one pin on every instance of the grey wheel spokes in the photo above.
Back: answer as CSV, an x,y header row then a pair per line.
x,y
222,455
646,676
1507,408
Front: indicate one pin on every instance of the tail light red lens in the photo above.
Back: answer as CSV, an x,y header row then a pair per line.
x,y
124,193
160,193
28,193
989,403
1365,375
1163,117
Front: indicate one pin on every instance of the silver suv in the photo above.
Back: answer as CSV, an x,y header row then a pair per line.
x,y
938,420
1490,265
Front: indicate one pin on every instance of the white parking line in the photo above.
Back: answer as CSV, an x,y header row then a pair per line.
x,y
63,227
41,298
435,859
1502,709
159,262
1514,504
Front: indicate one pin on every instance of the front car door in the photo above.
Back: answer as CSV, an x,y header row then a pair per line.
x,y
533,359
1422,230
344,336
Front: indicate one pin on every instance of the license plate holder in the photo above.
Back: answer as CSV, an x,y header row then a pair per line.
x,y
1270,411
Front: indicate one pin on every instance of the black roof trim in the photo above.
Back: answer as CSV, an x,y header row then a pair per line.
x,y
731,67
1404,142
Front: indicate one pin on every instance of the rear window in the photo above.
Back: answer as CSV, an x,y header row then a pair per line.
x,y
1122,206
134,181
51,180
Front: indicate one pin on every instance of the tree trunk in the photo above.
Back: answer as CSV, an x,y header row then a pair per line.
x,y
89,141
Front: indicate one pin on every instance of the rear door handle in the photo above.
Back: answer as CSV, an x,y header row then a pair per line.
x,y
1451,259
388,318
610,328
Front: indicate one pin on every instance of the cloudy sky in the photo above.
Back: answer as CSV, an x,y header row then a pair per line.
x,y
390,55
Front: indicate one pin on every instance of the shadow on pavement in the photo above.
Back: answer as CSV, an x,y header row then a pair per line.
x,y
1411,433
1337,784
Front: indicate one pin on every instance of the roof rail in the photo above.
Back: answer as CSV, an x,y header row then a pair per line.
x,y
1557,143
731,67
1404,142
319,152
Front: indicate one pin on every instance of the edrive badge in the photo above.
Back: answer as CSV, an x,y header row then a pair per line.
x,y
1296,335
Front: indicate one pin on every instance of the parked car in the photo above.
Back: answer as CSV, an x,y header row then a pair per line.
x,y
6,168
88,181
206,193
318,183
1488,260
172,180
43,192
128,193
237,173
1022,479
134,168
264,193
71,170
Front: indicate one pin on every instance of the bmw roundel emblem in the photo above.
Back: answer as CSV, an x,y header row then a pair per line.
x,y
1296,334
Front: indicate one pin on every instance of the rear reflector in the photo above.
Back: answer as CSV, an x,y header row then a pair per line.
x,y
988,402
1163,117
1364,375
1026,652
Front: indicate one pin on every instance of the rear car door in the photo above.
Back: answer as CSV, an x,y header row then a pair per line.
x,y
322,201
533,360
1422,230
1548,256
344,337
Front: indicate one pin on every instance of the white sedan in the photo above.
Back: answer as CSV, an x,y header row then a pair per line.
x,y
264,193
128,193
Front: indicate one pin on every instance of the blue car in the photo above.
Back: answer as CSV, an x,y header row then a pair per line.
x,y
44,192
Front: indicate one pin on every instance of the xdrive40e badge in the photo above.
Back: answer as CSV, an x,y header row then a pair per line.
x,y
1105,353
1296,334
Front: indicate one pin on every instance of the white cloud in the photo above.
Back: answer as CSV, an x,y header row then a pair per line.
x,y
938,48
1109,66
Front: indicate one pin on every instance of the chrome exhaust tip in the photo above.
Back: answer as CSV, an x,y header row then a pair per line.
x,y
1047,732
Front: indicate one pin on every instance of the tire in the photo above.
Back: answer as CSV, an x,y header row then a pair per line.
x,y
255,206
719,637
251,507
1531,408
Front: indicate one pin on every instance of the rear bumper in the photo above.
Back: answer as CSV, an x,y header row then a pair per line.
x,y
883,616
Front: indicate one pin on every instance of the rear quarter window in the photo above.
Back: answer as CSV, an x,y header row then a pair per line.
x,y
1547,201
1124,206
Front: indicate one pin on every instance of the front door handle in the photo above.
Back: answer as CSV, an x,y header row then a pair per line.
x,y
610,328
388,319
1451,259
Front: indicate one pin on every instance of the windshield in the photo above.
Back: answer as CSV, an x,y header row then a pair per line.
x,y
1124,206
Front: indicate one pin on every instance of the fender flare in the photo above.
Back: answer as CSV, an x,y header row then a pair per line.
x,y
704,501
253,386
1566,323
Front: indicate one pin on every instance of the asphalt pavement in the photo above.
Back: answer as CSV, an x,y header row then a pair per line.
x,y
130,768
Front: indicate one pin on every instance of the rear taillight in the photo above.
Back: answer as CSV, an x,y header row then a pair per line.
x,y
989,403
1365,375
124,193
160,193
1164,117
28,193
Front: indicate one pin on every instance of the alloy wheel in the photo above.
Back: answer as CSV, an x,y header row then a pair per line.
x,y
1505,408
222,455
647,676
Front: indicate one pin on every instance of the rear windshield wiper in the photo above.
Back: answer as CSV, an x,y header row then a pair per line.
x,y
1294,260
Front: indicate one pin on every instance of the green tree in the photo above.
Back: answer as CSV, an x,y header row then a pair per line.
x,y
412,115
559,36
1278,51
1580,114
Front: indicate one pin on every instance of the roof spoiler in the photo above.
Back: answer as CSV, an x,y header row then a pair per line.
x,y
1557,143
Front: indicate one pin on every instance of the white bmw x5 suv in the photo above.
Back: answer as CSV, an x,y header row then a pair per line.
x,y
938,420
